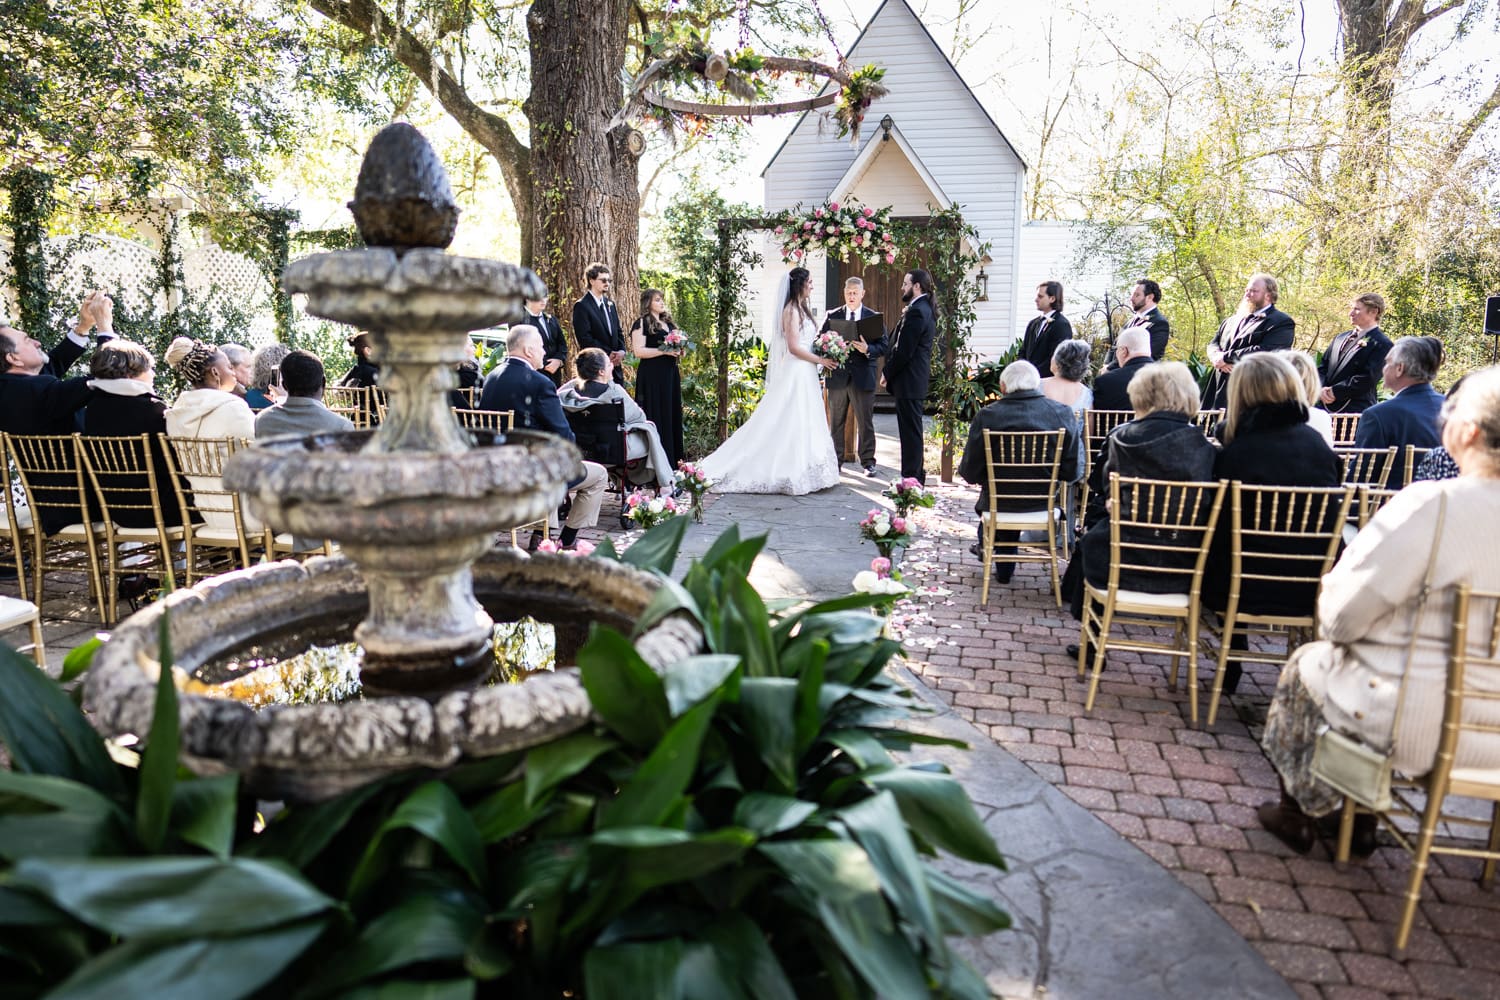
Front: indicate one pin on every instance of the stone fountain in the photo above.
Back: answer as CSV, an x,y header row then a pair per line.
x,y
415,507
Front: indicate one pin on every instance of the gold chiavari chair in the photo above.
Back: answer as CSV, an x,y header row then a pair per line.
x,y
218,532
1344,427
139,531
1283,539
1367,466
1471,715
498,421
1097,425
1411,458
17,611
1369,501
52,479
1164,530
1208,421
17,532
287,546
1023,495
352,401
379,404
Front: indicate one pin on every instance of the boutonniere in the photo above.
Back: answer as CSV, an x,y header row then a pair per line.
x,y
1362,343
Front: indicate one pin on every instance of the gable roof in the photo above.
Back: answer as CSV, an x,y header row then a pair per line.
x,y
936,48
866,157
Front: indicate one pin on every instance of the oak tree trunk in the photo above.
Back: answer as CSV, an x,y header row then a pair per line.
x,y
585,198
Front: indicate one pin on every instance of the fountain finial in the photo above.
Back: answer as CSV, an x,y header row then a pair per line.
x,y
402,198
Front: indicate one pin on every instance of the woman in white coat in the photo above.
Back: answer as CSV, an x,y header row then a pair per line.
x,y
1367,609
208,408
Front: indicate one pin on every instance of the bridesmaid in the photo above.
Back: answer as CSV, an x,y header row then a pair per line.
x,y
658,385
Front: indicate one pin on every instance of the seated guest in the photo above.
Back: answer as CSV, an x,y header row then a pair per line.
x,y
468,378
1307,370
365,372
1267,442
208,408
518,386
242,363
35,398
1411,415
124,405
1435,465
1022,407
302,411
595,384
1133,350
265,366
1162,442
1070,366
1369,606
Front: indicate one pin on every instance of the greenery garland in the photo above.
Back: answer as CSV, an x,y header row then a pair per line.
x,y
31,206
839,229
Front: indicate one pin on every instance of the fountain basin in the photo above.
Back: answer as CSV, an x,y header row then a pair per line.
x,y
313,752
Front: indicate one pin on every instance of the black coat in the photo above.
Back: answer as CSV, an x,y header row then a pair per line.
x,y
908,363
1111,388
554,343
363,374
1157,328
530,395
1273,331
1354,379
1273,446
595,328
110,415
1022,410
1041,339
859,370
45,403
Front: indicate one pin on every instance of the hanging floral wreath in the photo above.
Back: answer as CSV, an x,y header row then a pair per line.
x,y
839,229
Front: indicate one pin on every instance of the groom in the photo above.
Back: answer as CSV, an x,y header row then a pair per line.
x,y
851,386
908,368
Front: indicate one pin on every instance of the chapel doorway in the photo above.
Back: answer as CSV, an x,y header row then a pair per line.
x,y
882,287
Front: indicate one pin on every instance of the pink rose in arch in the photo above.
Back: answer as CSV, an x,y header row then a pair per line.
x,y
807,225
778,230
869,211
833,206
890,258
886,237
819,213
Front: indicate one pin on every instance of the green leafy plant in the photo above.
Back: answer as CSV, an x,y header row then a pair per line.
x,y
734,826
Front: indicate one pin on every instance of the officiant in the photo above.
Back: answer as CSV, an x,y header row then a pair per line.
x,y
851,386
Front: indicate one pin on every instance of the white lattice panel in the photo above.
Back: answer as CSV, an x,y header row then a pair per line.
x,y
88,261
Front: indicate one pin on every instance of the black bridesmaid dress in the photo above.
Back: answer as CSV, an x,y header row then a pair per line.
x,y
658,390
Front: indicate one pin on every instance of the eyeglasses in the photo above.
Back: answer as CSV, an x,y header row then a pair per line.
x,y
606,279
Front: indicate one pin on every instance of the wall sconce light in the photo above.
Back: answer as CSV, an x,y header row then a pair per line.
x,y
886,124
982,280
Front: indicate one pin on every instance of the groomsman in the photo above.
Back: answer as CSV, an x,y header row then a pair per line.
x,y
851,386
1350,369
1051,328
596,321
1257,326
554,342
908,368
1144,298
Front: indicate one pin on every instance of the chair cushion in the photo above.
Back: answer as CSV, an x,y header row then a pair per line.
x,y
1018,518
145,534
217,536
1477,775
14,611
23,519
1147,600
78,531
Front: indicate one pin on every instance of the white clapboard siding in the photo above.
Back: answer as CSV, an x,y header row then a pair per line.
x,y
1055,251
942,123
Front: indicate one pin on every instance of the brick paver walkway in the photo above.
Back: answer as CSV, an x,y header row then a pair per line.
x,y
1186,797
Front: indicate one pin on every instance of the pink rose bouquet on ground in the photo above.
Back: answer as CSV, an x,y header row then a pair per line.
x,y
831,346
881,579
647,512
888,531
695,483
907,494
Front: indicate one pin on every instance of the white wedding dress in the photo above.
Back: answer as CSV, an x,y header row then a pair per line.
x,y
785,446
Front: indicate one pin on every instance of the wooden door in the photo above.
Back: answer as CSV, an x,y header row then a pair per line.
x,y
882,285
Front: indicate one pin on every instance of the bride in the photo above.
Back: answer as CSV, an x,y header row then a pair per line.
x,y
784,447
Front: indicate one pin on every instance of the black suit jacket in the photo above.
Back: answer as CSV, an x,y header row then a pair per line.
x,y
1022,410
1110,388
554,343
859,370
45,403
1157,328
595,328
530,395
908,364
1354,379
1040,341
1272,332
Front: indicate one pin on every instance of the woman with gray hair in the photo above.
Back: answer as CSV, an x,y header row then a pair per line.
x,y
1070,366
1383,643
265,383
125,404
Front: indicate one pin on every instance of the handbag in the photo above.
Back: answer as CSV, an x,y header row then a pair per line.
x,y
1347,763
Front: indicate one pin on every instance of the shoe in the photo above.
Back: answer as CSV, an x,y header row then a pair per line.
x,y
1004,571
536,540
1088,654
870,471
1232,673
1362,841
974,551
1290,825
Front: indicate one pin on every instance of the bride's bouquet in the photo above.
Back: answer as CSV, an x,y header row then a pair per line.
x,y
676,340
831,346
888,531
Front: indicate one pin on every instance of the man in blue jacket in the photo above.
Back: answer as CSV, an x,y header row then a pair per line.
x,y
518,385
1410,417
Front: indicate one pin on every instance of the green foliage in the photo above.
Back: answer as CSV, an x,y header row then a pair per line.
x,y
735,826
31,205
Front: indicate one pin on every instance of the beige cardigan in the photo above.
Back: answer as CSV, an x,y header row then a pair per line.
x,y
1365,610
